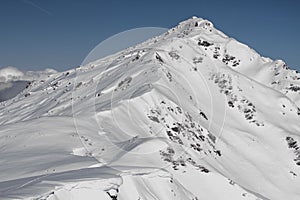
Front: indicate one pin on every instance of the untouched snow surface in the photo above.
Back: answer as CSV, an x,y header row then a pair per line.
x,y
191,114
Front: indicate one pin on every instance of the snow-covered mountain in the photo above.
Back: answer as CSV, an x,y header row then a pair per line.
x,y
191,114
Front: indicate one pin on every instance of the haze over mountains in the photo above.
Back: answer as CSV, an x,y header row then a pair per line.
x,y
191,114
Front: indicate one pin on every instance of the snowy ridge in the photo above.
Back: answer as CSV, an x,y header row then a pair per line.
x,y
191,114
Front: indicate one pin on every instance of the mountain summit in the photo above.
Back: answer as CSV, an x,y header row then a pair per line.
x,y
191,114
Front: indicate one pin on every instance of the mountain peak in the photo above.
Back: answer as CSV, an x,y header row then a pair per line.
x,y
184,111
195,23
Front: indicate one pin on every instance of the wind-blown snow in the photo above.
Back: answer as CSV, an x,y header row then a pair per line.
x,y
191,114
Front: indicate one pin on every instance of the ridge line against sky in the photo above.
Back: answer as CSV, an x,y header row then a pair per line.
x,y
59,34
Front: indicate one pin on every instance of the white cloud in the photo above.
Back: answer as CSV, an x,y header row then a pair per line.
x,y
10,73
9,76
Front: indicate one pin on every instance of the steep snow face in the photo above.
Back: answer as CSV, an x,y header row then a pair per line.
x,y
191,114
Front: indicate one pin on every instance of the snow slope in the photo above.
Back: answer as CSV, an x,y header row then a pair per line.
x,y
191,114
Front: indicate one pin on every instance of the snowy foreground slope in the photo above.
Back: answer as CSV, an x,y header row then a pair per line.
x,y
191,114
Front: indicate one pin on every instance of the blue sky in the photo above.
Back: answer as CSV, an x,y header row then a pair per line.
x,y
36,34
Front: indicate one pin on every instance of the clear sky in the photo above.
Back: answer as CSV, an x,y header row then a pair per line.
x,y
38,34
